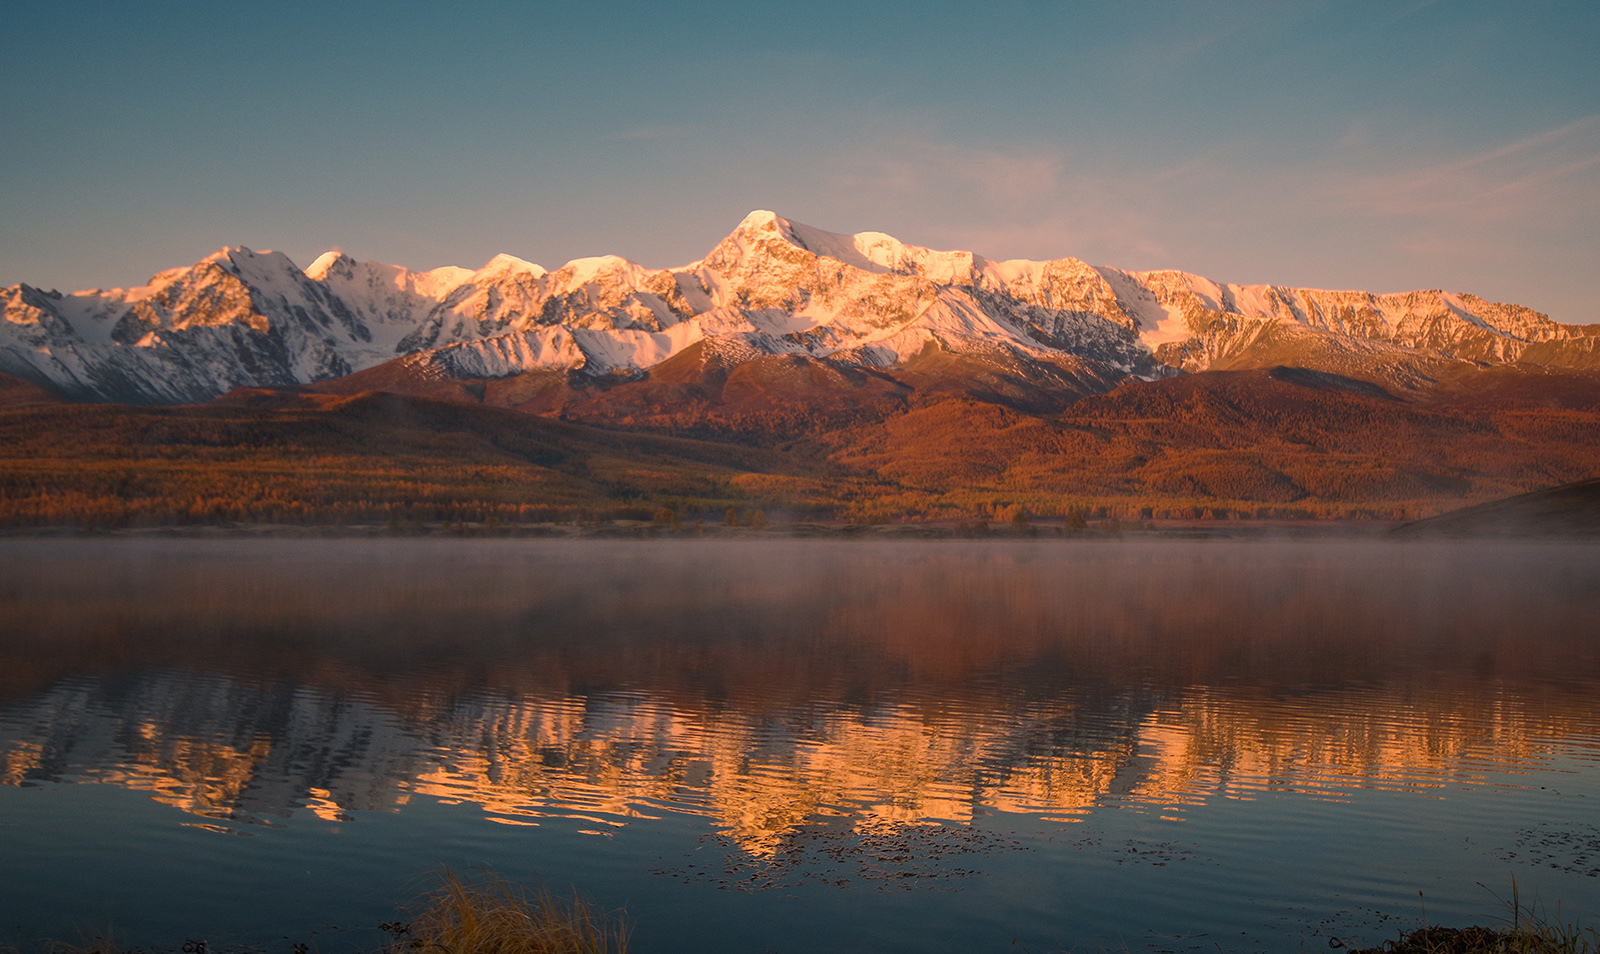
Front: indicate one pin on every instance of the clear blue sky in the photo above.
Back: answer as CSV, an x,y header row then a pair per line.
x,y
1345,144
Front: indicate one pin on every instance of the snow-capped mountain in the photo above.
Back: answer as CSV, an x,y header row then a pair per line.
x,y
243,318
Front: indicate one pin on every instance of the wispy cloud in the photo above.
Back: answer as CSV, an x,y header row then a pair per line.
x,y
1018,199
652,133
911,167
1370,209
1537,176
1413,10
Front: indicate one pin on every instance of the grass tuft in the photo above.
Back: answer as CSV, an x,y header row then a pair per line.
x,y
490,915
1528,932
1527,939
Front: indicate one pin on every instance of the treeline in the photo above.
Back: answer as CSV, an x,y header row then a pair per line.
x,y
1005,510
89,512
154,508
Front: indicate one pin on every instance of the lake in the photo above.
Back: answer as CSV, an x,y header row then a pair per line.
x,y
799,746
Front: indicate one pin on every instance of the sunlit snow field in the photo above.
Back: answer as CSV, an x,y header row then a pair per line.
x,y
799,746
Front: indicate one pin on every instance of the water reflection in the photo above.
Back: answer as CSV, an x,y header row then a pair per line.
x,y
771,687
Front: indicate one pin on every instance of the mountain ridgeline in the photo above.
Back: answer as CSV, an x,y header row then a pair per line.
x,y
844,303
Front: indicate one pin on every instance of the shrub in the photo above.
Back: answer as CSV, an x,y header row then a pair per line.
x,y
490,915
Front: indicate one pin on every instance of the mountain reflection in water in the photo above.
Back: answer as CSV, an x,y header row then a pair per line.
x,y
769,686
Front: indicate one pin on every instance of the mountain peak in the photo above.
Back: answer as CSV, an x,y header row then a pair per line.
x,y
581,270
762,226
503,264
241,253
328,261
760,219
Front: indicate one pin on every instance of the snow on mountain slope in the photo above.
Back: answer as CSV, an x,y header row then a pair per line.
x,y
1184,314
772,286
235,317
386,298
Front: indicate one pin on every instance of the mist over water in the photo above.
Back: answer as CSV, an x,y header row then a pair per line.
x,y
800,746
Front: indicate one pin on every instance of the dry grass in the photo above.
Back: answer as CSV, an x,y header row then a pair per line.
x,y
1528,939
490,915
1528,932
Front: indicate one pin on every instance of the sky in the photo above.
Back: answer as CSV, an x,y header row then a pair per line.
x,y
1384,146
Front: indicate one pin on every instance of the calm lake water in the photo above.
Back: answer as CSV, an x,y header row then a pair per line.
x,y
799,747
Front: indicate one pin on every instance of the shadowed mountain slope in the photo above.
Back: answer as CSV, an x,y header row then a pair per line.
x,y
1570,510
1271,437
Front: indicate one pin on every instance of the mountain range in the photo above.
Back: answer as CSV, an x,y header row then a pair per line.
x,y
886,378
844,304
